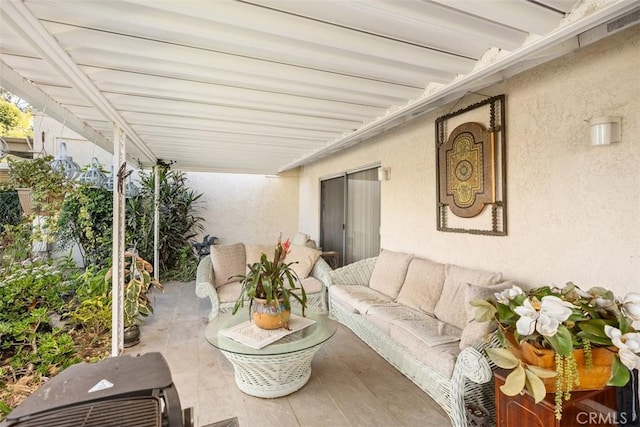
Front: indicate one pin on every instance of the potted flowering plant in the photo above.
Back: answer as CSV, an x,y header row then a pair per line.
x,y
549,333
269,285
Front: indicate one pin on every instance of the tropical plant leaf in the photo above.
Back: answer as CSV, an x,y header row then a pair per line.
x,y
595,339
535,385
620,374
514,383
504,311
485,311
595,327
562,341
542,372
503,358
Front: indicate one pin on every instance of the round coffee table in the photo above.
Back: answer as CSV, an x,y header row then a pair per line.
x,y
279,368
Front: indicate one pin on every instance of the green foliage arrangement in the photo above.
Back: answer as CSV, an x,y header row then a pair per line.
x,y
138,280
179,223
35,340
48,187
562,319
86,219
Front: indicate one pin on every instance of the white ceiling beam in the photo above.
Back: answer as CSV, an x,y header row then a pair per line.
x,y
271,26
15,83
520,14
475,80
422,23
24,23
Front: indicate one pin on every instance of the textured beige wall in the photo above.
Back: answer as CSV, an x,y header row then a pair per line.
x,y
247,208
573,209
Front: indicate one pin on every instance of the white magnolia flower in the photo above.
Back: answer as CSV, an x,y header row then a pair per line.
x,y
544,318
508,294
628,346
631,305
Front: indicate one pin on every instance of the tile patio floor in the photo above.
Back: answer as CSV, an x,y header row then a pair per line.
x,y
350,384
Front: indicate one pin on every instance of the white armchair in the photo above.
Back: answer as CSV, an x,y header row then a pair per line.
x,y
213,278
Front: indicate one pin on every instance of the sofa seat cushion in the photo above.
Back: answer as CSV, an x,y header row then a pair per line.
x,y
389,272
423,285
312,285
358,298
428,329
227,261
441,358
451,306
229,292
382,316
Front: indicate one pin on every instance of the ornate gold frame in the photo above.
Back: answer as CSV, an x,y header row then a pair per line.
x,y
471,169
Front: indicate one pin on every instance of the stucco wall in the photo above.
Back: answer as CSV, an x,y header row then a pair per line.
x,y
573,208
247,208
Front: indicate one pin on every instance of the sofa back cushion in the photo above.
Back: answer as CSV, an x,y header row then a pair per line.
x,y
423,285
304,258
389,272
227,261
475,331
451,306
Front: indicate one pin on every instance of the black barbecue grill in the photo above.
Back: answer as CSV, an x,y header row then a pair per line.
x,y
116,392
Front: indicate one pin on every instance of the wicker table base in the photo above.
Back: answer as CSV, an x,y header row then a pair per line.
x,y
272,376
278,369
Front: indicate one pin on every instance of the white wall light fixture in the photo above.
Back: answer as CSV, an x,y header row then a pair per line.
x,y
383,174
605,130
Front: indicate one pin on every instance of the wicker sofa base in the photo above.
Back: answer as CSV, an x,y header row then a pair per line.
x,y
469,385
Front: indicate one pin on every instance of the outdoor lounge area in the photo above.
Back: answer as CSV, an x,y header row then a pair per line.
x,y
351,385
454,183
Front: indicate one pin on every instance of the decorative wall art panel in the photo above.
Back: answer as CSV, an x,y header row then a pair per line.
x,y
471,165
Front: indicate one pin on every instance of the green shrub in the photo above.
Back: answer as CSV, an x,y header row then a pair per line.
x,y
86,219
31,285
92,314
179,222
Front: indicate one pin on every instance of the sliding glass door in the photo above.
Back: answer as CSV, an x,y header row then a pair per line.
x,y
350,215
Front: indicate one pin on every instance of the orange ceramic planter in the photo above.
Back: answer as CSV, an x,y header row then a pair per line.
x,y
269,316
594,378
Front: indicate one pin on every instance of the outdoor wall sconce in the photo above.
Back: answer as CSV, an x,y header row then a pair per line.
x,y
604,130
383,174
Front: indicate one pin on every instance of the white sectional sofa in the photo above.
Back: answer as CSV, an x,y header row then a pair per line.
x,y
416,314
214,278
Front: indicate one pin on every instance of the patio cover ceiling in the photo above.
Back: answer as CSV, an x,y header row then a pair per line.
x,y
267,85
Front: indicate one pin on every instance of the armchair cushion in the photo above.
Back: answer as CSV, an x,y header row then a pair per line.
x,y
304,258
229,292
300,239
254,253
227,261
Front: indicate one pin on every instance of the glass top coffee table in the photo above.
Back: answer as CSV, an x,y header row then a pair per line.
x,y
279,368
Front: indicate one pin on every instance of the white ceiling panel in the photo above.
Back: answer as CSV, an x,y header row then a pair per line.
x,y
261,86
